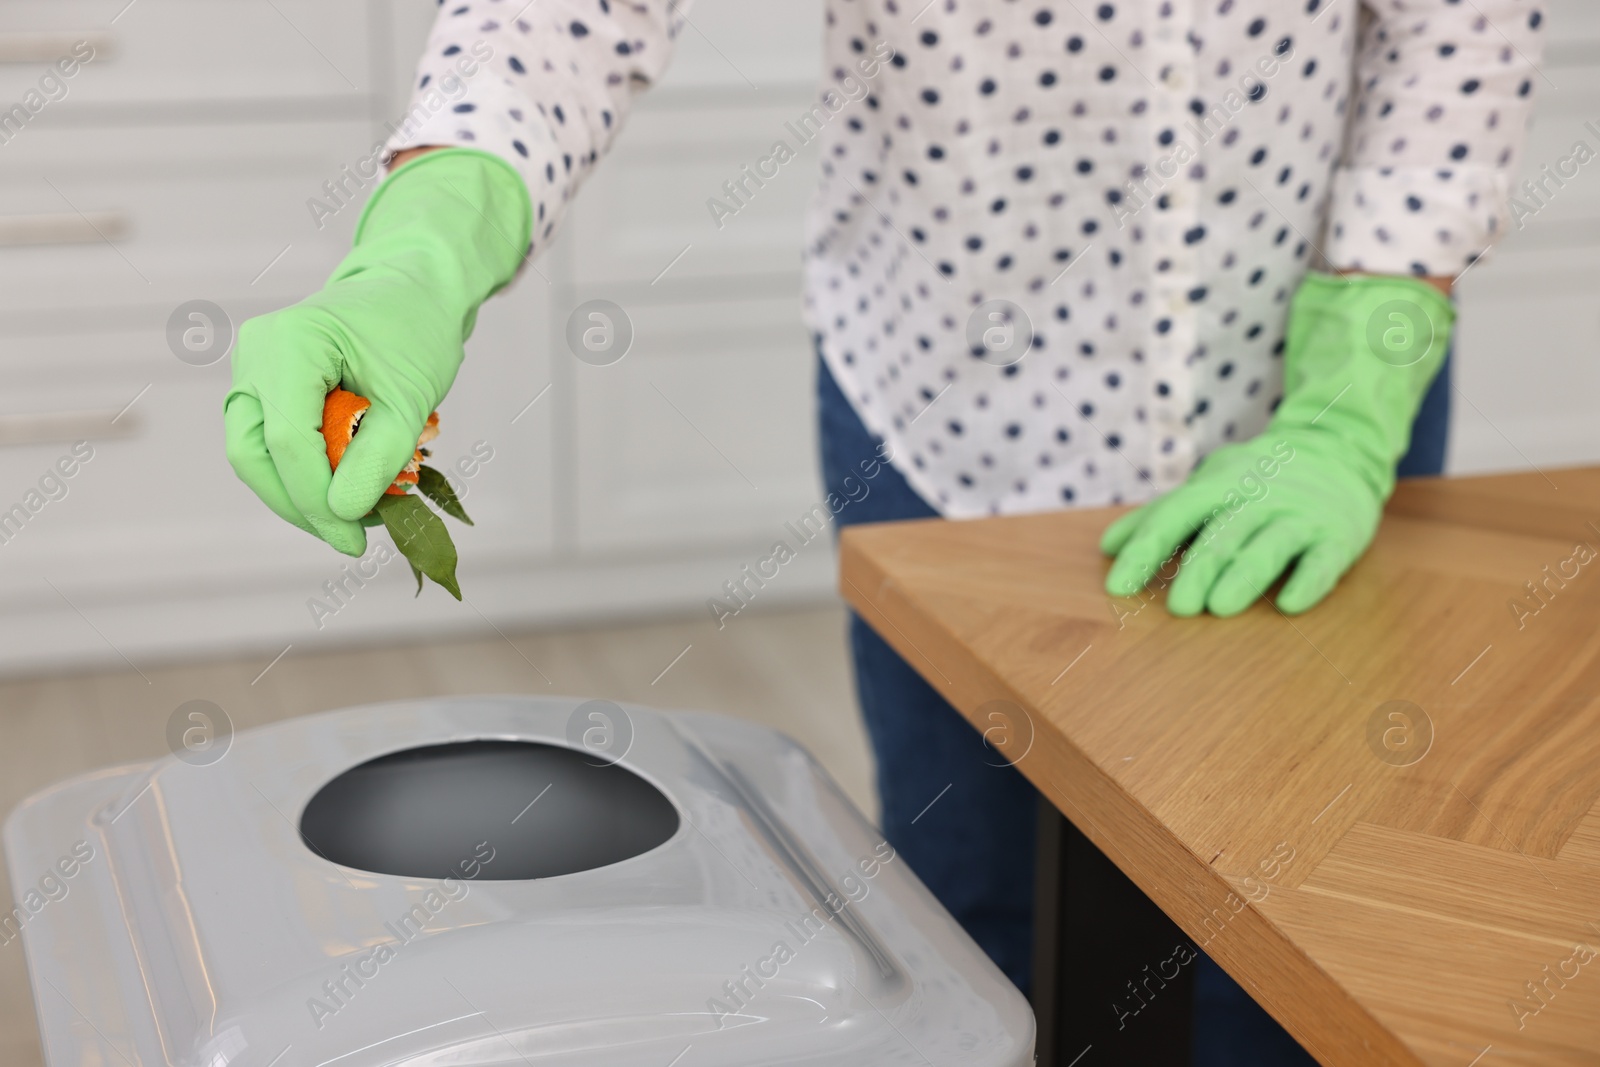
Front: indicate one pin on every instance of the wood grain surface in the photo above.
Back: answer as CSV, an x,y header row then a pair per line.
x,y
1380,816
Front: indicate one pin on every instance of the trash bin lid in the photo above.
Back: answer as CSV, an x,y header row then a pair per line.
x,y
490,881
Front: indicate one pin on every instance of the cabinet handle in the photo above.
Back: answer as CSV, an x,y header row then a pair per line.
x,y
62,229
62,427
49,46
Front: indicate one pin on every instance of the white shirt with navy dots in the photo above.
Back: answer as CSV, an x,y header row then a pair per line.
x,y
1146,180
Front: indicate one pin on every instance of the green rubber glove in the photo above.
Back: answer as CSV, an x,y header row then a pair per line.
x,y
1359,355
439,236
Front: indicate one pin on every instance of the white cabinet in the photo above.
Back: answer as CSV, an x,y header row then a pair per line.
x,y
648,204
203,210
191,55
702,434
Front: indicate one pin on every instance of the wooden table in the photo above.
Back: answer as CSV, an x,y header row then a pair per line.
x,y
1380,817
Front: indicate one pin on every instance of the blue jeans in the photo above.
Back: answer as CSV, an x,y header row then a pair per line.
x,y
965,825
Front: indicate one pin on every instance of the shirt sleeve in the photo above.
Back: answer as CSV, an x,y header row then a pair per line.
x,y
1443,93
544,84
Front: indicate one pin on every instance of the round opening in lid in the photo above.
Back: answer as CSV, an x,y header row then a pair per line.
x,y
542,809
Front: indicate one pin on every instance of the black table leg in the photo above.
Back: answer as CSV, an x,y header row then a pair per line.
x,y
1111,972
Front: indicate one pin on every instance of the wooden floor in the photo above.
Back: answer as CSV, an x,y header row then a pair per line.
x,y
788,670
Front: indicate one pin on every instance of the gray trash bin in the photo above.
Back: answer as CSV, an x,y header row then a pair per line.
x,y
490,881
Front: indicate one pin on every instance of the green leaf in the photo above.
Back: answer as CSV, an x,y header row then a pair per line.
x,y
422,539
418,575
436,487
372,518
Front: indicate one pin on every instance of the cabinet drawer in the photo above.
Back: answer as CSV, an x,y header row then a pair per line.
x,y
144,220
158,505
702,434
647,204
185,53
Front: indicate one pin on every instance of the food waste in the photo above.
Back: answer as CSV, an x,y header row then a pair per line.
x,y
419,534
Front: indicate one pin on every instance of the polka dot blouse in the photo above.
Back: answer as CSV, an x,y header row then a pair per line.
x,y
1144,182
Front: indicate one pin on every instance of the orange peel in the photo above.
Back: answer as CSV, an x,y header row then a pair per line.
x,y
342,412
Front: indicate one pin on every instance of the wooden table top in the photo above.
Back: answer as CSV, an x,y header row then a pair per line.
x,y
1380,816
